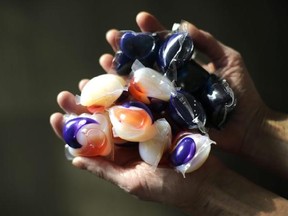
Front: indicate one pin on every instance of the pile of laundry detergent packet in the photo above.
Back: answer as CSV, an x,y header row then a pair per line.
x,y
159,100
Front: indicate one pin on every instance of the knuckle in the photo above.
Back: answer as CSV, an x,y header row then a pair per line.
x,y
236,57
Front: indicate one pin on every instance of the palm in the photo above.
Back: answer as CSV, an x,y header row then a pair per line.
x,y
228,64
144,181
127,169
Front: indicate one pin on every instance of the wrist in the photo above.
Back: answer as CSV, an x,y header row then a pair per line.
x,y
228,193
266,142
276,126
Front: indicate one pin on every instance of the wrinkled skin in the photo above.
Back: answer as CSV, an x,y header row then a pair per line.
x,y
165,185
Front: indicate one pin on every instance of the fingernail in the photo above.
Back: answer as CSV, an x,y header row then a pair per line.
x,y
184,25
78,162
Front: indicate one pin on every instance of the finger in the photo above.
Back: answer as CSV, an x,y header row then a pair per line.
x,y
148,23
82,83
67,102
56,121
207,44
112,38
106,62
104,169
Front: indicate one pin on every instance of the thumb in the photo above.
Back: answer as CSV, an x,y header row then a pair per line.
x,y
206,43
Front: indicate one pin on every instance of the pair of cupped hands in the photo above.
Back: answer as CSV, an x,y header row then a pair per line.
x,y
238,136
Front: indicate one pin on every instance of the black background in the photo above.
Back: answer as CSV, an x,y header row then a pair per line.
x,y
48,46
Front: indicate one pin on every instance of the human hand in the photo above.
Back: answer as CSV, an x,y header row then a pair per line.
x,y
248,131
225,63
129,172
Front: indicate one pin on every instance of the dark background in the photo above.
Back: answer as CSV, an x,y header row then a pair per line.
x,y
48,46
